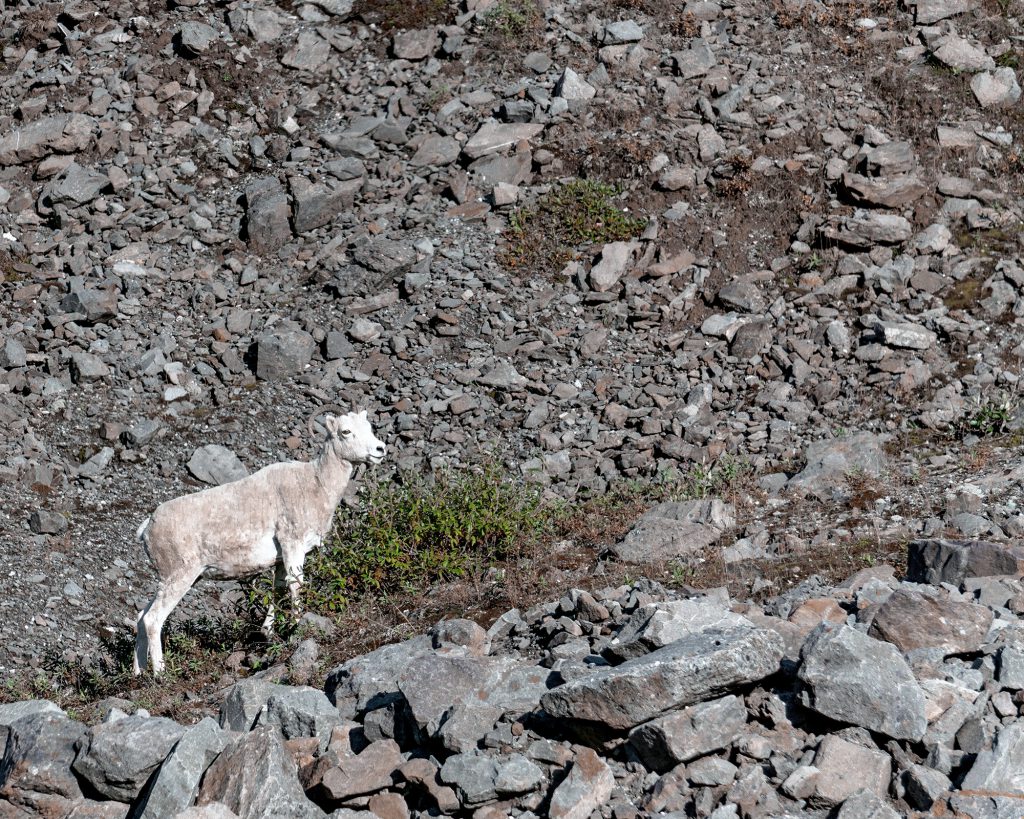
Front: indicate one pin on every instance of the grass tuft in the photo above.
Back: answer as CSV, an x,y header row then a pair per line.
x,y
571,216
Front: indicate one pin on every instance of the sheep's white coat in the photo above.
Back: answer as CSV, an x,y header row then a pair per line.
x,y
273,517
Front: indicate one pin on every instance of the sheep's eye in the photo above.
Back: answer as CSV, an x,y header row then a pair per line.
x,y
346,432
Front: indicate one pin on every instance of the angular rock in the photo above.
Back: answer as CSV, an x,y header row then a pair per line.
x,y
78,185
927,12
675,528
196,38
175,785
370,682
956,52
656,625
1000,770
434,683
845,768
830,461
267,215
886,192
997,89
615,257
43,522
283,353
852,678
88,367
370,771
479,778
385,256
953,561
696,668
310,52
35,770
215,464
585,789
493,137
677,737
908,336
116,758
571,86
95,304
319,204
62,134
255,776
436,150
415,44
696,61
300,711
865,230
866,804
931,619
245,701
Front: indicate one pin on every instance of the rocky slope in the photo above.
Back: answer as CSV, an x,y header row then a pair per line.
x,y
873,698
217,217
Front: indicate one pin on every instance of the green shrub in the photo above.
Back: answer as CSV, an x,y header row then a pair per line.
x,y
404,536
571,216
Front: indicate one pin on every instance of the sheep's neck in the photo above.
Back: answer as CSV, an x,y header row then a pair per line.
x,y
333,474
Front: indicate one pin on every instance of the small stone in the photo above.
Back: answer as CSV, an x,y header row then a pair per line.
x,y
996,89
215,464
571,86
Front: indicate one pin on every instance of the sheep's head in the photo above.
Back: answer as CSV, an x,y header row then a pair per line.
x,y
351,438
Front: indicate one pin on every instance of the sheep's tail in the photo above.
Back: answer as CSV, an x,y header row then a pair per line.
x,y
141,534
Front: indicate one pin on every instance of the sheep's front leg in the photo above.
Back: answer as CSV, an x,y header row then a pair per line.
x,y
280,581
295,578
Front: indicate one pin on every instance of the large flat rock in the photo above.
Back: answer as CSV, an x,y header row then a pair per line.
x,y
698,667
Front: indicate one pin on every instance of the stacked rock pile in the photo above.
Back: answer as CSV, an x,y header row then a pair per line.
x,y
873,698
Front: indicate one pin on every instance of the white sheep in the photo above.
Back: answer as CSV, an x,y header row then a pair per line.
x,y
273,517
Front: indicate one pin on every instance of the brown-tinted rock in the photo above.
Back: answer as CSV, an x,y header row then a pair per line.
x,y
911,619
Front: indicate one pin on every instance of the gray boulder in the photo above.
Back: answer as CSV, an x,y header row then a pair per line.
x,y
215,464
953,561
434,683
673,529
370,682
1001,769
585,789
267,215
35,770
931,618
256,776
830,461
283,353
699,667
301,712
175,785
117,757
853,678
680,736
656,625
245,701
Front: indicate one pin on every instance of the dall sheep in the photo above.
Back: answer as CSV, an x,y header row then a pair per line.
x,y
273,517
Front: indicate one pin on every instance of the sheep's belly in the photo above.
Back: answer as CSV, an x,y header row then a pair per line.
x,y
262,555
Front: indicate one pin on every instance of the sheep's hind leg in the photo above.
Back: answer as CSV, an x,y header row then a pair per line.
x,y
276,594
141,642
167,597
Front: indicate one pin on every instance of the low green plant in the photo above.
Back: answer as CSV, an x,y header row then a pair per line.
x,y
511,19
572,215
423,529
990,418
